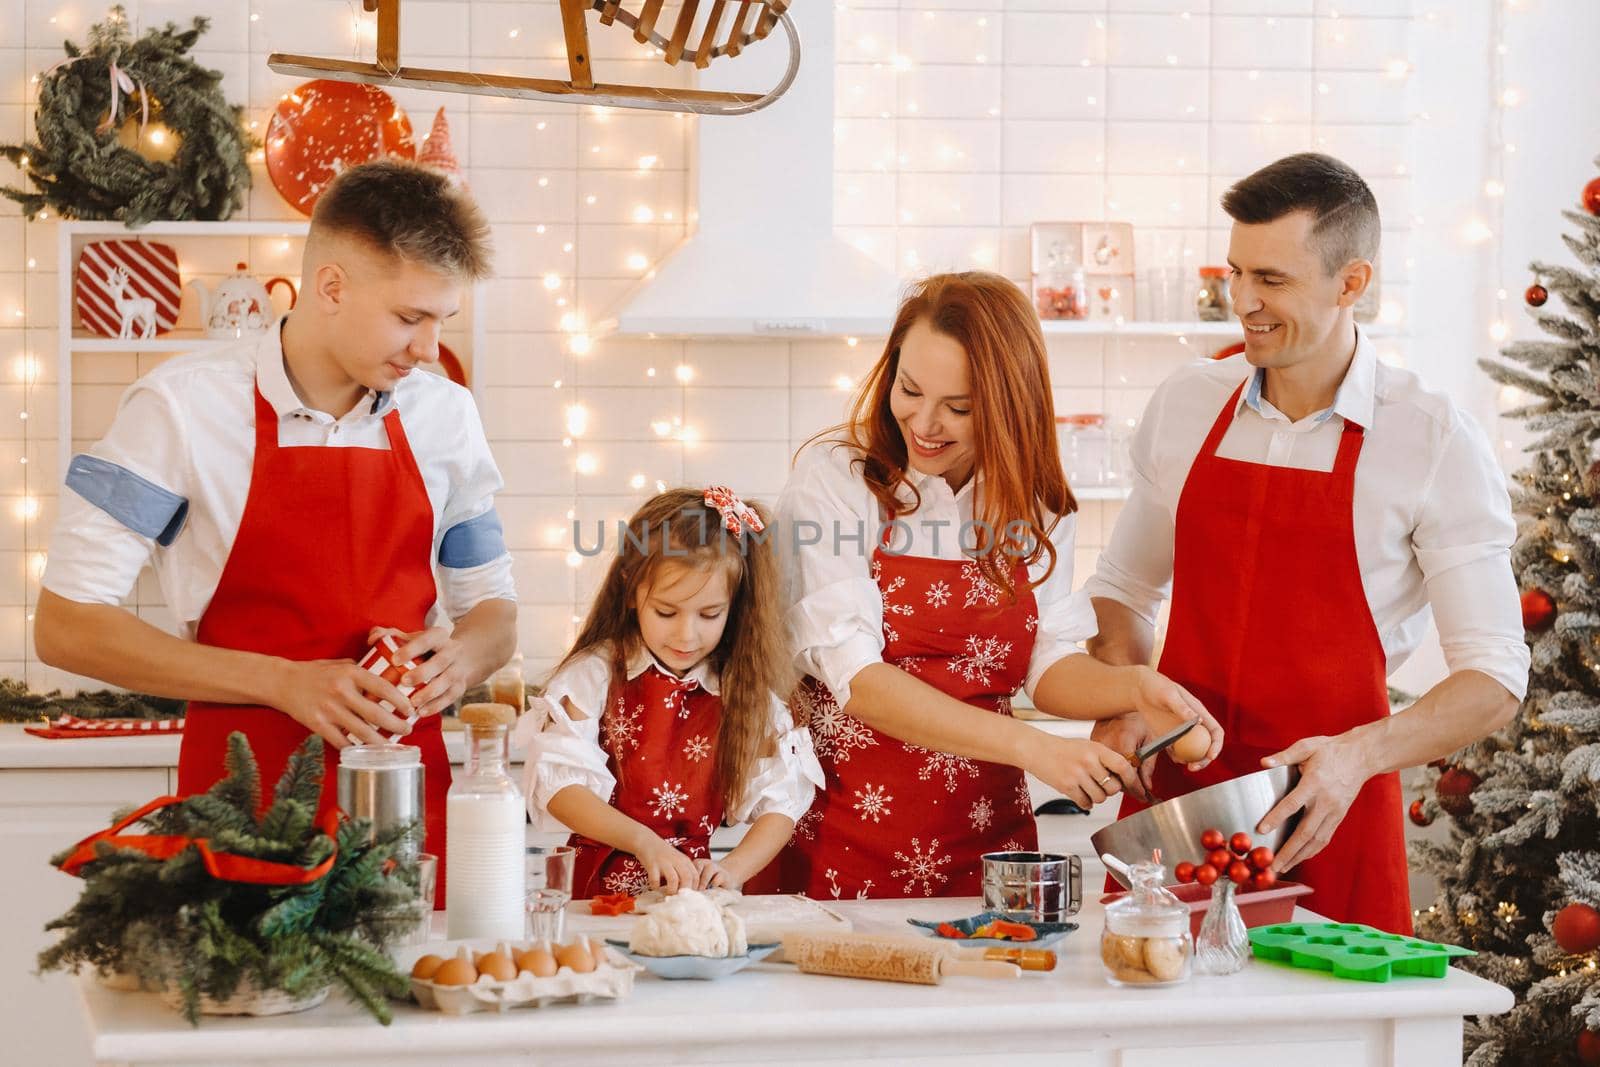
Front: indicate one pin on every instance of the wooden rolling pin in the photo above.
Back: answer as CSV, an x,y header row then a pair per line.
x,y
854,957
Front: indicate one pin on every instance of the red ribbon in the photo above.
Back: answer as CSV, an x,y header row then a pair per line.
x,y
223,866
737,516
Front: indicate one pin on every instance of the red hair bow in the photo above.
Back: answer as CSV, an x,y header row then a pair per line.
x,y
737,516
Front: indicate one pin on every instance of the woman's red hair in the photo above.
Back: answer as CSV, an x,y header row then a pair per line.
x,y
1013,416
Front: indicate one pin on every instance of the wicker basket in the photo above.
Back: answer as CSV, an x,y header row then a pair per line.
x,y
250,999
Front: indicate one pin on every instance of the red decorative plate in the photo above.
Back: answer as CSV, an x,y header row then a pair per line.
x,y
133,281
323,127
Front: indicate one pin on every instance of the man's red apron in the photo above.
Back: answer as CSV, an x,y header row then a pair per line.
x,y
895,819
1271,630
333,542
665,730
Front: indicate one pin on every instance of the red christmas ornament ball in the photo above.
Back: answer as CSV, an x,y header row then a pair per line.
x,y
1455,790
1591,197
1536,295
1589,1048
1537,609
1577,929
1419,815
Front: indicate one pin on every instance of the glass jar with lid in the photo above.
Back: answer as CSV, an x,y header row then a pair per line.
x,y
1211,302
1146,938
1086,450
1059,287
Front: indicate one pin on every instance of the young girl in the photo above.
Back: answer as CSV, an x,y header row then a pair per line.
x,y
663,718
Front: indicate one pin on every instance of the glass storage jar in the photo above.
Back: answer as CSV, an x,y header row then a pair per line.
x,y
1146,938
1211,301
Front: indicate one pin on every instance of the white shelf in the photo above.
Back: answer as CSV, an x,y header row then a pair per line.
x,y
176,341
1230,328
1101,492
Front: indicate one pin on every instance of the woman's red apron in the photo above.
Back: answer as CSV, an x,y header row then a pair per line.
x,y
1271,630
895,819
665,731
333,542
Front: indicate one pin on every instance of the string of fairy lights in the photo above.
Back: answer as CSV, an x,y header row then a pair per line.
x,y
878,56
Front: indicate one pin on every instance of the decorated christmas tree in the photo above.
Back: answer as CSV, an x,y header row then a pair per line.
x,y
1520,878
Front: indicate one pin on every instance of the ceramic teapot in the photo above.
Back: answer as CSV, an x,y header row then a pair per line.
x,y
239,305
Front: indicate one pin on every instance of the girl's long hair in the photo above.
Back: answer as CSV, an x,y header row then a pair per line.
x,y
677,528
1013,416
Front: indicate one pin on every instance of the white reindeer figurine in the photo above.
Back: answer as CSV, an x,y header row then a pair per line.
x,y
132,309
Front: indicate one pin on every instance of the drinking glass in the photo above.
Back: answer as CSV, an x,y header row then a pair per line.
x,y
427,886
549,889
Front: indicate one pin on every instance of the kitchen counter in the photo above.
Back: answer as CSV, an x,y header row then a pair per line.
x,y
772,1013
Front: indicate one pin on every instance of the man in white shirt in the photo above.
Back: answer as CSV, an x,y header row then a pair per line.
x,y
299,494
1306,505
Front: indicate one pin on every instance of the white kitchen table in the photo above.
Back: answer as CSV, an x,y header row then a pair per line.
x,y
771,1013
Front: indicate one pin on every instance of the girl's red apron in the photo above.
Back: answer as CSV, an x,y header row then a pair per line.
x,y
665,731
895,819
1271,630
333,542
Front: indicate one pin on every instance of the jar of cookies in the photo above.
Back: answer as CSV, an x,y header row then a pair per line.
x,y
1146,939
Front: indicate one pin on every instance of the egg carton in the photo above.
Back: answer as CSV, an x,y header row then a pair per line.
x,y
612,979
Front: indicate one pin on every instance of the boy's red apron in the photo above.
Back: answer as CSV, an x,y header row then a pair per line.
x,y
1271,630
333,541
895,819
665,730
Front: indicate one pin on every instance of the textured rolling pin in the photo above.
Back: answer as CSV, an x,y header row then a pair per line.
x,y
849,956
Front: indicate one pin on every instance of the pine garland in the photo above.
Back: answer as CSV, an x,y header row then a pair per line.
x,y
82,172
18,703
174,926
1530,843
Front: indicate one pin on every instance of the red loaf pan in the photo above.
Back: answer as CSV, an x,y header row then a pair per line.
x,y
1258,907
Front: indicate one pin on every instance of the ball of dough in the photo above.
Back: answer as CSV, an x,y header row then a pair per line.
x,y
689,923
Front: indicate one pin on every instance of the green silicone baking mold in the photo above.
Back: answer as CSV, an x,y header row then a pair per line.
x,y
1353,951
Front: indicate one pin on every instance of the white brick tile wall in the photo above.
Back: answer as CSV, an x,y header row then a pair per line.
x,y
959,123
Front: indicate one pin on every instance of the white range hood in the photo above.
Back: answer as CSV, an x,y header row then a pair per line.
x,y
763,260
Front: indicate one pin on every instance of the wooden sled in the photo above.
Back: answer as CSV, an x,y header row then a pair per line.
x,y
752,20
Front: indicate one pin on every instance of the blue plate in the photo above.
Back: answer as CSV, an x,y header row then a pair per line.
x,y
703,967
1049,933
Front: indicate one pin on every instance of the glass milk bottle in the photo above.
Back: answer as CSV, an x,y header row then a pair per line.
x,y
484,833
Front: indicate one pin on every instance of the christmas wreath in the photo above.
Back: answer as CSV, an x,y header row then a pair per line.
x,y
133,130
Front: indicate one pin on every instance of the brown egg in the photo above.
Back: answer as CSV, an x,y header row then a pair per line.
x,y
538,962
577,956
425,967
456,972
497,965
1191,746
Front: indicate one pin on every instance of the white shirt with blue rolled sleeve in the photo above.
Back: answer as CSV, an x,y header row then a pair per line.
x,y
1433,524
167,484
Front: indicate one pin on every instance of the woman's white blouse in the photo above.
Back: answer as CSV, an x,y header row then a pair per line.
x,y
835,614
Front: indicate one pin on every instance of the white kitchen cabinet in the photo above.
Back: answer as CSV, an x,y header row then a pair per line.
x,y
42,811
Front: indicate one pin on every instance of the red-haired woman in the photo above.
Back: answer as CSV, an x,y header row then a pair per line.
x,y
928,546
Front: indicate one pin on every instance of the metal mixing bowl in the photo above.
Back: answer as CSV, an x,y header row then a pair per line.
x,y
1174,826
